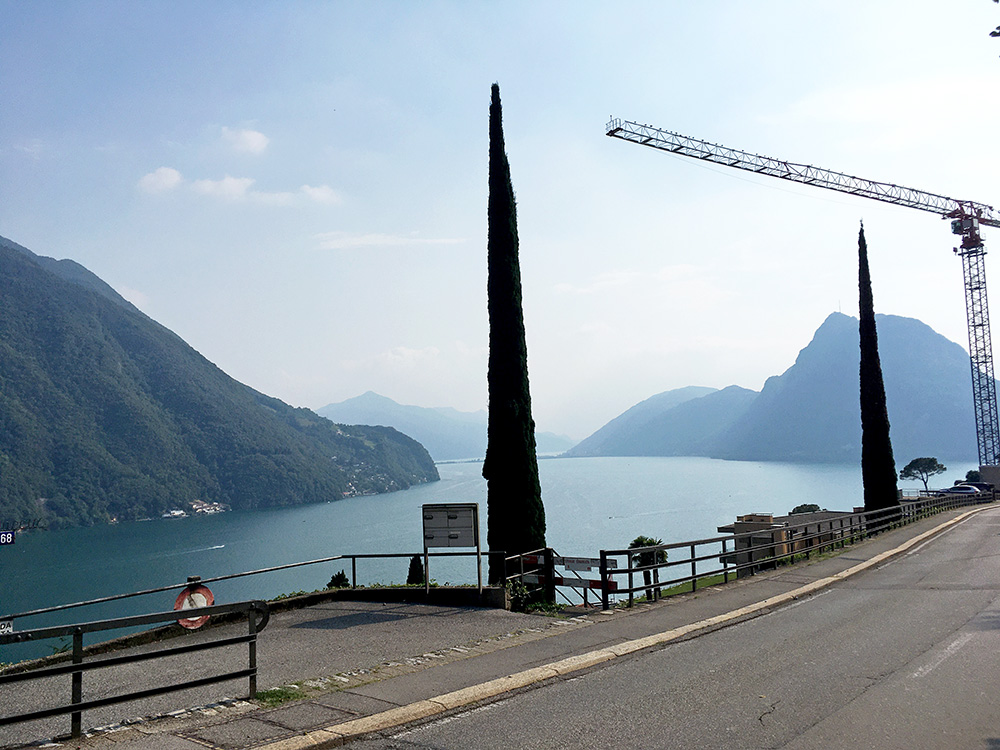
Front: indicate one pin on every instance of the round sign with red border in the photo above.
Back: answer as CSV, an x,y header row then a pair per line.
x,y
191,598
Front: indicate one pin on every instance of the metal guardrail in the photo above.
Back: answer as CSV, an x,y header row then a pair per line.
x,y
178,586
76,631
257,614
407,555
712,560
749,552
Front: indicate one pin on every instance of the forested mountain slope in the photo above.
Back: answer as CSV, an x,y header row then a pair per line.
x,y
105,414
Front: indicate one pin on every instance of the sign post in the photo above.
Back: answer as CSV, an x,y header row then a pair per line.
x,y
451,525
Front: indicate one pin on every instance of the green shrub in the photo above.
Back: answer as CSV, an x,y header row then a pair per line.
x,y
339,581
519,597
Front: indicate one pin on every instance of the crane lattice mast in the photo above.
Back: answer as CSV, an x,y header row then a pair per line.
x,y
966,216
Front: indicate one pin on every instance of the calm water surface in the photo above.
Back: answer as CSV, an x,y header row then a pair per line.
x,y
590,503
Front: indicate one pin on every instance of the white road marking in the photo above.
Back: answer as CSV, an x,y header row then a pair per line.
x,y
950,651
916,550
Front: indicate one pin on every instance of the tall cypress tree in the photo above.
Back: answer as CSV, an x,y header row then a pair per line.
x,y
515,515
878,469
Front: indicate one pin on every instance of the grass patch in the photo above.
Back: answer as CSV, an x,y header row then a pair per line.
x,y
682,588
292,595
685,588
279,695
544,608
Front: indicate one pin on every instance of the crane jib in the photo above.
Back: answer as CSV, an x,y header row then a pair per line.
x,y
886,192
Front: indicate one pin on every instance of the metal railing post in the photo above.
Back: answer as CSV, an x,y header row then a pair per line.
x,y
631,581
550,575
725,563
76,720
252,655
694,571
605,593
354,572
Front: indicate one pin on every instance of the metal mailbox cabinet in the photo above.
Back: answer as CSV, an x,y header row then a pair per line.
x,y
451,525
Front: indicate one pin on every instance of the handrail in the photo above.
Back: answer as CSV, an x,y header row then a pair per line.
x,y
766,547
174,586
253,610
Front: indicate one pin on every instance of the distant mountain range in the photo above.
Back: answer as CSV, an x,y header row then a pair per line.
x,y
105,415
447,434
811,412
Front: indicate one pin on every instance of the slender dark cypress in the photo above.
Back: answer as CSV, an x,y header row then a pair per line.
x,y
515,515
878,469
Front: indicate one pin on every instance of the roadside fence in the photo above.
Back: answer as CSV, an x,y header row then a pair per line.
x,y
179,586
256,613
681,567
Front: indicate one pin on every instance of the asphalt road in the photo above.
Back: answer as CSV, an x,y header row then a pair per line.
x,y
903,656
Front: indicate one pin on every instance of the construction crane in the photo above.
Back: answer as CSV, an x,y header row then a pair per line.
x,y
966,219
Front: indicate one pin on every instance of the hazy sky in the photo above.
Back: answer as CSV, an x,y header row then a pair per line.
x,y
298,189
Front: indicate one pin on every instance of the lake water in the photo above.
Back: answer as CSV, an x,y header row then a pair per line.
x,y
590,504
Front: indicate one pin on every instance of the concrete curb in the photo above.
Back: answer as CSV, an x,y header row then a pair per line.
x,y
338,734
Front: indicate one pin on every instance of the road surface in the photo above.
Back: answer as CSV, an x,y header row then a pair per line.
x,y
906,655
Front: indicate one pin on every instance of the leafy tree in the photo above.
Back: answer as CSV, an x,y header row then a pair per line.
x,y
515,514
648,557
972,475
878,470
415,575
805,508
923,469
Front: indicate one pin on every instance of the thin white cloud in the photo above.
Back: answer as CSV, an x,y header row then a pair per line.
x,y
246,141
160,180
229,188
34,148
321,194
236,189
347,241
239,189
